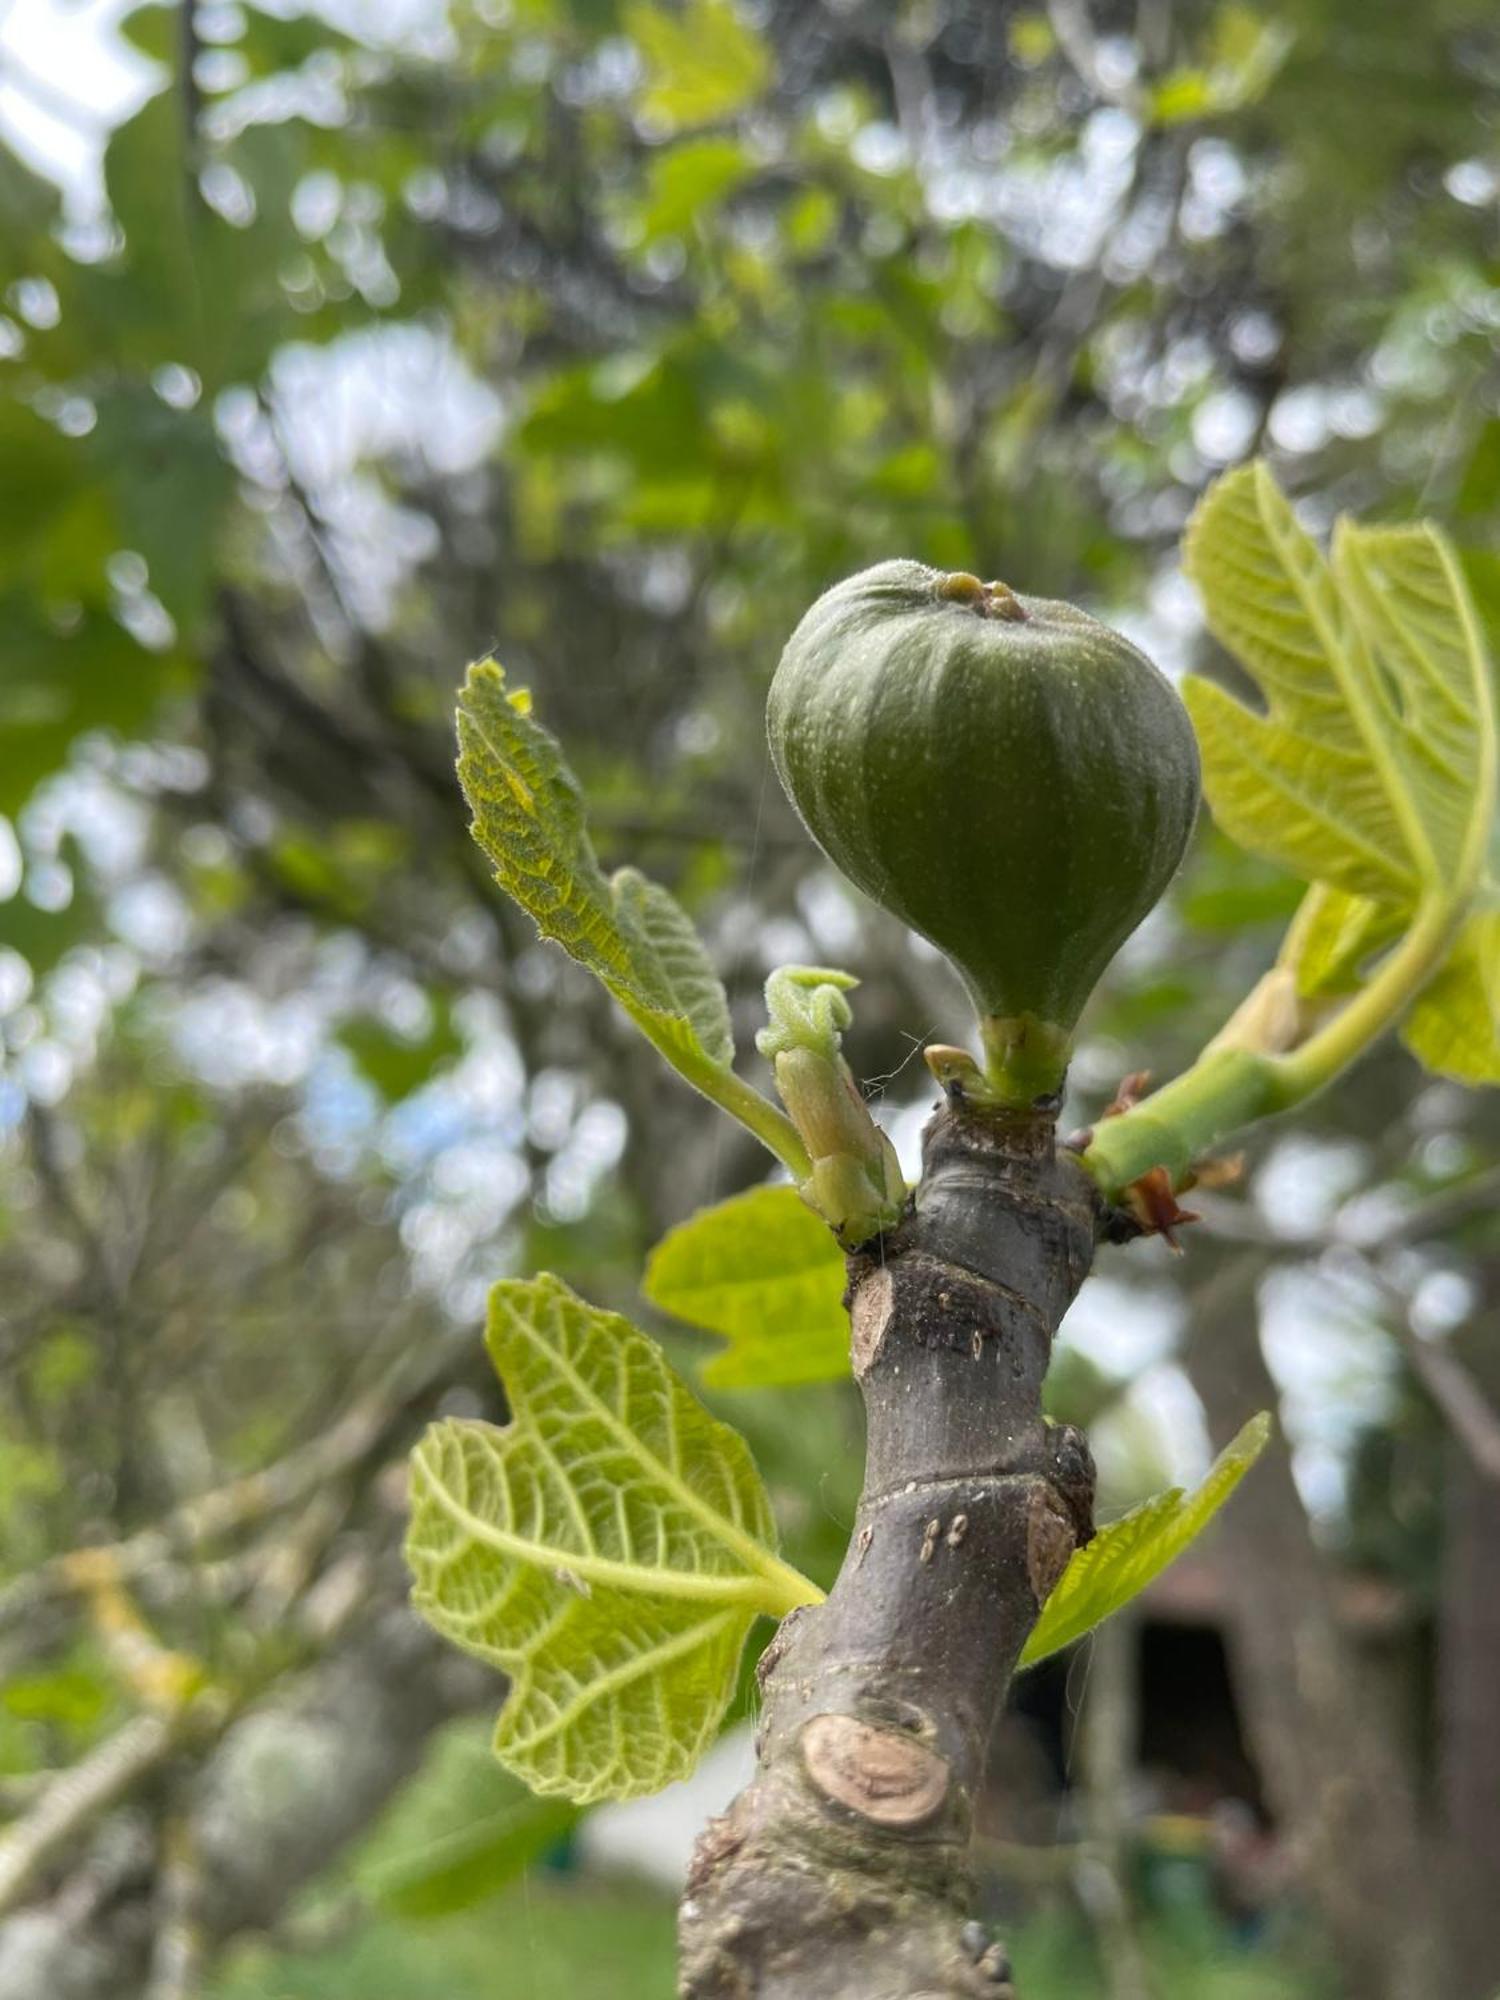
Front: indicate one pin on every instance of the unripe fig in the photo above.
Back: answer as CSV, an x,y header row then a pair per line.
x,y
1011,778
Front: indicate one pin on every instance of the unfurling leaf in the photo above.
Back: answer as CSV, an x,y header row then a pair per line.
x,y
631,934
1372,771
608,1549
762,1271
1125,1556
655,918
854,1179
529,819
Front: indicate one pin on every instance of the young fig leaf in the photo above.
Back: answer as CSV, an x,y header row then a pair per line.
x,y
855,1181
1124,1557
608,1549
1372,773
765,1274
529,818
1334,935
682,968
630,932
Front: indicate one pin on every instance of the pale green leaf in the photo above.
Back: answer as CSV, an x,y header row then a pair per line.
x,y
1125,1556
1372,767
806,1008
763,1272
529,819
703,62
1455,1026
1431,678
1372,771
1308,782
1334,934
682,968
608,1549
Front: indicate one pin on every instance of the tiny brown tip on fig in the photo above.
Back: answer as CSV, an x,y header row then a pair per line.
x,y
1002,602
959,587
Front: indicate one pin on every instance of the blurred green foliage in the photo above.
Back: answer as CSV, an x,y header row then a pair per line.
x,y
603,338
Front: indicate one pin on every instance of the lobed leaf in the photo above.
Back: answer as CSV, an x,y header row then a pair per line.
x,y
1319,782
1125,1556
1372,771
1431,679
764,1273
529,819
608,1549
1372,767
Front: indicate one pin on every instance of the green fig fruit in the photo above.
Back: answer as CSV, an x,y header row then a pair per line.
x,y
1011,778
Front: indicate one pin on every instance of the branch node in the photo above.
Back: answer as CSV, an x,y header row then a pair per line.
x,y
1050,1541
884,1775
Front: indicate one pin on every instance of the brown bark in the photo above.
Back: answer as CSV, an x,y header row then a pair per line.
x,y
1339,1778
840,1874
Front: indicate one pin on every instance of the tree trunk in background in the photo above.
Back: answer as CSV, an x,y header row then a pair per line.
x,y
1469,1711
1339,1778
1110,1740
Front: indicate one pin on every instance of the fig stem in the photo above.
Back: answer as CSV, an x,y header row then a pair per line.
x,y
1025,1058
1230,1087
731,1093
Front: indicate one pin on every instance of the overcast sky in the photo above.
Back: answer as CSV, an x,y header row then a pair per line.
x,y
66,77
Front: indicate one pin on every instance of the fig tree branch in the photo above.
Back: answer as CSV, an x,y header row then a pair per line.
x,y
842,1871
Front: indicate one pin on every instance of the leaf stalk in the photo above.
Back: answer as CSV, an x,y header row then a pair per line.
x,y
731,1093
1230,1087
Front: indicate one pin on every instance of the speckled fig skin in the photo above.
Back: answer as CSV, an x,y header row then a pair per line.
x,y
1011,778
